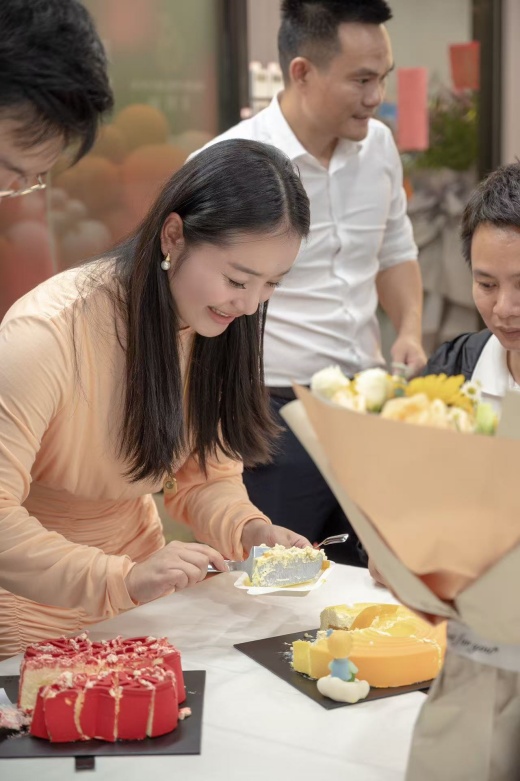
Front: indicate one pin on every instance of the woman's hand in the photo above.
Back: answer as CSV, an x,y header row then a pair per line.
x,y
175,567
259,532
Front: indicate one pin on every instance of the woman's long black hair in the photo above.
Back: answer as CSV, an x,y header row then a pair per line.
x,y
231,188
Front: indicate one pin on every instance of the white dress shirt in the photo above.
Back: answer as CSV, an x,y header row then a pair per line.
x,y
493,373
325,310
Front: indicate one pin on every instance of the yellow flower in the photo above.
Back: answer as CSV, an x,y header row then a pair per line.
x,y
447,389
406,409
419,410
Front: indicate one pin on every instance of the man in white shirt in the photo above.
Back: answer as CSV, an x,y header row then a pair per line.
x,y
335,58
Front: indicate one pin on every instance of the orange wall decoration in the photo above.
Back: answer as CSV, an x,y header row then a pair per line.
x,y
412,109
465,65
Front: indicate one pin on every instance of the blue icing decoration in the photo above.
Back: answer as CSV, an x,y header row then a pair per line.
x,y
329,632
343,669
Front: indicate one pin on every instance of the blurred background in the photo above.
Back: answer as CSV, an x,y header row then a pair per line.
x,y
184,71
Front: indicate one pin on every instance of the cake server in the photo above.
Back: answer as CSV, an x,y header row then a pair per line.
x,y
247,564
259,550
276,575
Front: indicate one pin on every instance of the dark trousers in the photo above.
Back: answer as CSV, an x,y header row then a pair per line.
x,y
292,493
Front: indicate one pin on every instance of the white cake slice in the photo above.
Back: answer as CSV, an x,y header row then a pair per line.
x,y
282,567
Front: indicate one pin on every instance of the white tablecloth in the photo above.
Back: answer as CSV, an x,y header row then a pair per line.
x,y
256,726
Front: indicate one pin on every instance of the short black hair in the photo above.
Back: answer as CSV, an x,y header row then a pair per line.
x,y
310,27
496,201
53,72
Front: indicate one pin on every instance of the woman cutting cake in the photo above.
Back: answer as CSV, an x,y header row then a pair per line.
x,y
135,371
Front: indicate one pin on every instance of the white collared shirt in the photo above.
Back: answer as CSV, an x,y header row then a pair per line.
x,y
325,310
493,373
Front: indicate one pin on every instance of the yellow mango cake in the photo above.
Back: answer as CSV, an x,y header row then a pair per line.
x,y
391,645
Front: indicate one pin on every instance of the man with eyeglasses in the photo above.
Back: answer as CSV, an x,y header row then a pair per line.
x,y
53,88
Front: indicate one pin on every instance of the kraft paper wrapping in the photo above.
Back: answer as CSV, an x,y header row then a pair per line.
x,y
436,510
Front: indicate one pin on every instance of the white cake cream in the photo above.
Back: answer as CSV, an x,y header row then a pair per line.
x,y
281,567
343,691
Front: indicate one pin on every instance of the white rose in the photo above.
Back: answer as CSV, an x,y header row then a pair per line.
x,y
328,381
438,415
461,420
375,386
345,398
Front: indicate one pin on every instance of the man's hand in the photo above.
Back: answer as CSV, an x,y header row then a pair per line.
x,y
400,293
175,567
408,351
258,532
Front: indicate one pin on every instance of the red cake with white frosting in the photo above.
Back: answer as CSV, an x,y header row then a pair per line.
x,y
114,689
122,705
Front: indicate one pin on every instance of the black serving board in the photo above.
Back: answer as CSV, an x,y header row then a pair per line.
x,y
186,739
273,654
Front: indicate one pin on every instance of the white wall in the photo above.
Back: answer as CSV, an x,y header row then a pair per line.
x,y
421,32
263,22
510,72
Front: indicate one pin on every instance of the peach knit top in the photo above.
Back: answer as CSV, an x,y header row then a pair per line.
x,y
71,524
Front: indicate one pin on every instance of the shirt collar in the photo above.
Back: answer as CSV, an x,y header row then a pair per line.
x,y
283,137
280,131
492,370
344,150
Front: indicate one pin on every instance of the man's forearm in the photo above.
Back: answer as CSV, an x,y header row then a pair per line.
x,y
400,294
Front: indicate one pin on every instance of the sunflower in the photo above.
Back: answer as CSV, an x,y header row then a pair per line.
x,y
447,389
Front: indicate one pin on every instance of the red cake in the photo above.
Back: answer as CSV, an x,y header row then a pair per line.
x,y
107,706
121,688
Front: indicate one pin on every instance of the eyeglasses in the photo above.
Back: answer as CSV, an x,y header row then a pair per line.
x,y
40,185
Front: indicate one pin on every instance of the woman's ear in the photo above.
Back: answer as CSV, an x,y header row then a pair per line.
x,y
172,235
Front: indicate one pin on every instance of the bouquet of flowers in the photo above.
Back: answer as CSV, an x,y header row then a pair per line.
x,y
435,400
439,513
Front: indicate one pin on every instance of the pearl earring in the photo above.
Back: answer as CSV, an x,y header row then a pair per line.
x,y
166,263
